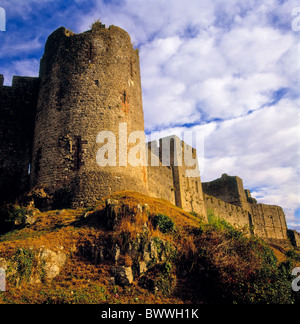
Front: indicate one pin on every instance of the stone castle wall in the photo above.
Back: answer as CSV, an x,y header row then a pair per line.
x,y
160,178
234,215
228,189
269,222
294,237
173,174
227,198
17,115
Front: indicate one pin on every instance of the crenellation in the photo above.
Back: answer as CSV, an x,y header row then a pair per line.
x,y
169,174
229,189
265,221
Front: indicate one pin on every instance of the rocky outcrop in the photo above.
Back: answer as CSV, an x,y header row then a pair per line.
x,y
130,256
123,276
141,253
33,265
53,262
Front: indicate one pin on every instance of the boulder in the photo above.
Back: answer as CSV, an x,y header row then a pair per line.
x,y
53,262
123,275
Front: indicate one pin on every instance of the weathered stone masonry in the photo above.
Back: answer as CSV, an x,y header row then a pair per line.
x,y
88,83
227,198
171,178
17,114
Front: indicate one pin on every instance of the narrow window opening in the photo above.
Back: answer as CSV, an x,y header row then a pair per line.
x,y
124,97
78,153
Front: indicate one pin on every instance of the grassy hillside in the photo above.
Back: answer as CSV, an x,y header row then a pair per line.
x,y
135,249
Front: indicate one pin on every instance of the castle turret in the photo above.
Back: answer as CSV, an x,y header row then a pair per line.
x,y
90,96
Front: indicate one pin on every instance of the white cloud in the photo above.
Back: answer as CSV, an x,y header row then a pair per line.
x,y
13,47
226,73
251,48
231,96
263,149
27,67
144,20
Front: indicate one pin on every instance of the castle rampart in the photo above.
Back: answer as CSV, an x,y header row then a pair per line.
x,y
265,221
228,189
294,237
17,114
232,214
160,178
173,174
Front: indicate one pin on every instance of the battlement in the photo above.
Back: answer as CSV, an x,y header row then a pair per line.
x,y
172,151
173,174
265,221
88,48
17,114
21,83
229,189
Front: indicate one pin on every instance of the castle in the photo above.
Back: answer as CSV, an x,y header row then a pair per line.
x,y
90,84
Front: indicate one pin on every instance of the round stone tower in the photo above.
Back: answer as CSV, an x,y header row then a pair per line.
x,y
90,84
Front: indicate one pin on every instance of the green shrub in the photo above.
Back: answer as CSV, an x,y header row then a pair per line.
x,y
293,255
97,25
164,223
161,278
12,216
26,265
234,268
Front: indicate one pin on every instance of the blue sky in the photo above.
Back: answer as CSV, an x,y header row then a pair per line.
x,y
225,69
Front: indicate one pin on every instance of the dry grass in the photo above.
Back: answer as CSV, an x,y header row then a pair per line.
x,y
156,206
82,281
